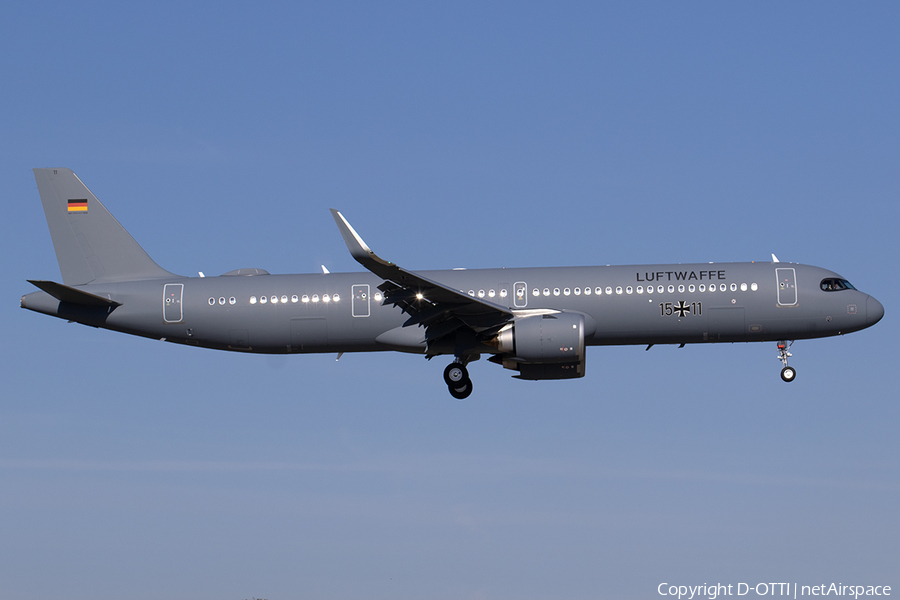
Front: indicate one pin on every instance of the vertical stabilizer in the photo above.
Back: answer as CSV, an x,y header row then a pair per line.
x,y
91,246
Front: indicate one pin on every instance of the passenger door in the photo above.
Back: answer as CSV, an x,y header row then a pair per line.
x,y
787,286
172,295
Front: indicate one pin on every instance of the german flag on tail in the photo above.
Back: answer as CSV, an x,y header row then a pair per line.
x,y
78,205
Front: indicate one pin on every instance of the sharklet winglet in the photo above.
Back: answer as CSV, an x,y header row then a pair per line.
x,y
360,251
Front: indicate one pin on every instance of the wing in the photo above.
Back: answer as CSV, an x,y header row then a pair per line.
x,y
444,312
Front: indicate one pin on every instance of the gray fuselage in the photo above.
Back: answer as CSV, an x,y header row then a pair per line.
x,y
342,312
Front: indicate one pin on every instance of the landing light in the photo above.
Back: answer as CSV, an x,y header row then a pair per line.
x,y
420,297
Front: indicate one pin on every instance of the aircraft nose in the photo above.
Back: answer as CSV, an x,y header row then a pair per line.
x,y
874,311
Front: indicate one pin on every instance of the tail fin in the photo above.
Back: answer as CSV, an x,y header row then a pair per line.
x,y
91,246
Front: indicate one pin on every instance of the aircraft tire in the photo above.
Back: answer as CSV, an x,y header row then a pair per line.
x,y
461,393
456,375
788,374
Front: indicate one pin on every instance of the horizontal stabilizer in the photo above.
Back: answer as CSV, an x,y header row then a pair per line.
x,y
64,293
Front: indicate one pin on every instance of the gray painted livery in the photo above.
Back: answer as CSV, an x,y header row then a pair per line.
x,y
535,321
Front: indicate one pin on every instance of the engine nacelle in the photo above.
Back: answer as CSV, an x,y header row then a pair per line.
x,y
544,346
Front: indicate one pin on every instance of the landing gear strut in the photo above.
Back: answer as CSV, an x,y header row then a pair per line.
x,y
456,376
787,373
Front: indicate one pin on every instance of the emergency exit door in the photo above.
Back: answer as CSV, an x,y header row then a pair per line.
x,y
520,294
359,305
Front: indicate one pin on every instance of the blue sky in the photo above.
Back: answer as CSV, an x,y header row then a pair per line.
x,y
451,135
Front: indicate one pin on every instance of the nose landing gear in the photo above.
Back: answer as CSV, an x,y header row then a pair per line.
x,y
787,373
456,376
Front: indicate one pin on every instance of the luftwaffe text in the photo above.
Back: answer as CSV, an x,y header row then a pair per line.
x,y
680,275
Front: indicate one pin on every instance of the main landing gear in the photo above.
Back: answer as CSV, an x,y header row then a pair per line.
x,y
787,373
456,376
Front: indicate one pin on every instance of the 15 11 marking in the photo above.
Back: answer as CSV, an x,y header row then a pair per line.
x,y
667,309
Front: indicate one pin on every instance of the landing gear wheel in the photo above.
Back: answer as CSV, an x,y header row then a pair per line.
x,y
455,375
461,393
788,374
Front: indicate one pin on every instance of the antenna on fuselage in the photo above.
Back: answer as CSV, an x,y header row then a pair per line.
x,y
775,258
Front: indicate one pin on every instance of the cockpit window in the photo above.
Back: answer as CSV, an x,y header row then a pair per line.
x,y
835,285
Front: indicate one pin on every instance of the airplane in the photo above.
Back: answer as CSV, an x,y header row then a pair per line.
x,y
536,322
